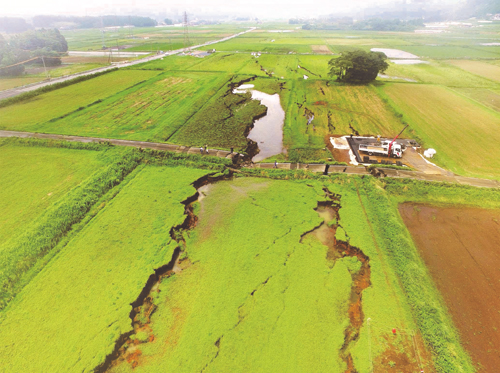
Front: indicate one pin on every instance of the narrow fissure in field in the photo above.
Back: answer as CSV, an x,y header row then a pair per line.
x,y
127,345
338,249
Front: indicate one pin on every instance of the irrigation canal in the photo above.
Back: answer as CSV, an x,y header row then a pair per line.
x,y
354,170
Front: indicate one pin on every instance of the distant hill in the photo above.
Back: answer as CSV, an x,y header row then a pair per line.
x,y
475,8
91,22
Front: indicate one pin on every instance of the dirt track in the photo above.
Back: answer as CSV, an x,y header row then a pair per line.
x,y
484,183
461,248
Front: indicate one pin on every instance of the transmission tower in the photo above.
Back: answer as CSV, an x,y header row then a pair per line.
x,y
187,43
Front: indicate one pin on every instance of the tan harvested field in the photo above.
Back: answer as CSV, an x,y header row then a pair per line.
x,y
460,246
464,133
484,69
322,49
352,109
8,83
487,97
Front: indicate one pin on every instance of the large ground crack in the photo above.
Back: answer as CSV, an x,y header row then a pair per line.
x,y
127,345
338,249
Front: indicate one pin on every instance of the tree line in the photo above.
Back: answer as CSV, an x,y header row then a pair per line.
x,y
32,46
92,22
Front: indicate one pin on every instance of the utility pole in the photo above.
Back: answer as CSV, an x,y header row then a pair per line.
x,y
117,48
45,68
187,43
102,37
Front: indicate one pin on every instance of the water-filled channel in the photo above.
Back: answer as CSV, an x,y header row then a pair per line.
x,y
268,130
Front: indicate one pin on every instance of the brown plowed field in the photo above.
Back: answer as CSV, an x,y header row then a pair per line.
x,y
461,247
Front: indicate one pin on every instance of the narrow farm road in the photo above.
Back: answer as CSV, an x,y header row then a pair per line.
x,y
31,87
353,170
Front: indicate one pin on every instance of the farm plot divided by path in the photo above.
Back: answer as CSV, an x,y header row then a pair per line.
x,y
153,110
31,113
70,315
34,178
460,248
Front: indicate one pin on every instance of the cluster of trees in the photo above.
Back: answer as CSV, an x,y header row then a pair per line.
x,y
92,22
379,24
49,44
13,24
479,8
358,66
347,23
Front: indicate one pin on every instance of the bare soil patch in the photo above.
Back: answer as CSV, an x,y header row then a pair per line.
x,y
323,49
461,248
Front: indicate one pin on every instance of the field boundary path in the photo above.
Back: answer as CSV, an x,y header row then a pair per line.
x,y
313,167
31,87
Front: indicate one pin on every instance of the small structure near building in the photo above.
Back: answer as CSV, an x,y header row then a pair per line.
x,y
429,153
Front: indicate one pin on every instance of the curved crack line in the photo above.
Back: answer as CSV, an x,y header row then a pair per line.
x,y
338,249
144,305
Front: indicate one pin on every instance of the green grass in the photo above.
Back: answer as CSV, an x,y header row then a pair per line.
x,y
222,122
12,82
69,316
463,132
224,62
487,97
486,70
145,38
23,255
337,109
441,73
459,52
176,62
29,114
153,110
34,178
271,301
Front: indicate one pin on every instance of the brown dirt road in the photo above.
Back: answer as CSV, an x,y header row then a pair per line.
x,y
461,248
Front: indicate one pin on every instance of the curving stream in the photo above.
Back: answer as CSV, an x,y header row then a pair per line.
x,y
268,130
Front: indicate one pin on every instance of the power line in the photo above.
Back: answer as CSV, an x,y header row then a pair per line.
x,y
187,43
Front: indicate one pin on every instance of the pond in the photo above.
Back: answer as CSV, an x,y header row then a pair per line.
x,y
268,130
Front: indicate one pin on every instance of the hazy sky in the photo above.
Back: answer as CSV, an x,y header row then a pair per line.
x,y
260,8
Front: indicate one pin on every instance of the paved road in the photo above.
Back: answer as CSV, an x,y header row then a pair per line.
x,y
31,87
353,170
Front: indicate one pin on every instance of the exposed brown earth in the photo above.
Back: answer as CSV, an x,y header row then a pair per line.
x,y
337,249
461,248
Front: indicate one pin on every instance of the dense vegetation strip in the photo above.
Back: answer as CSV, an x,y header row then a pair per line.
x,y
21,253
35,178
431,314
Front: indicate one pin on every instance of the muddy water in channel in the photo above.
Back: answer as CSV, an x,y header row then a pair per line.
x,y
268,130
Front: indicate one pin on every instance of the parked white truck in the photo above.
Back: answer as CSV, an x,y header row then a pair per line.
x,y
387,148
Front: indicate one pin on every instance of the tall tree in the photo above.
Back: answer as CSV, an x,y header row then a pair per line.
x,y
358,66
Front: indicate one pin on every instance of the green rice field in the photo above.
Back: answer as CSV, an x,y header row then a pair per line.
x,y
35,178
